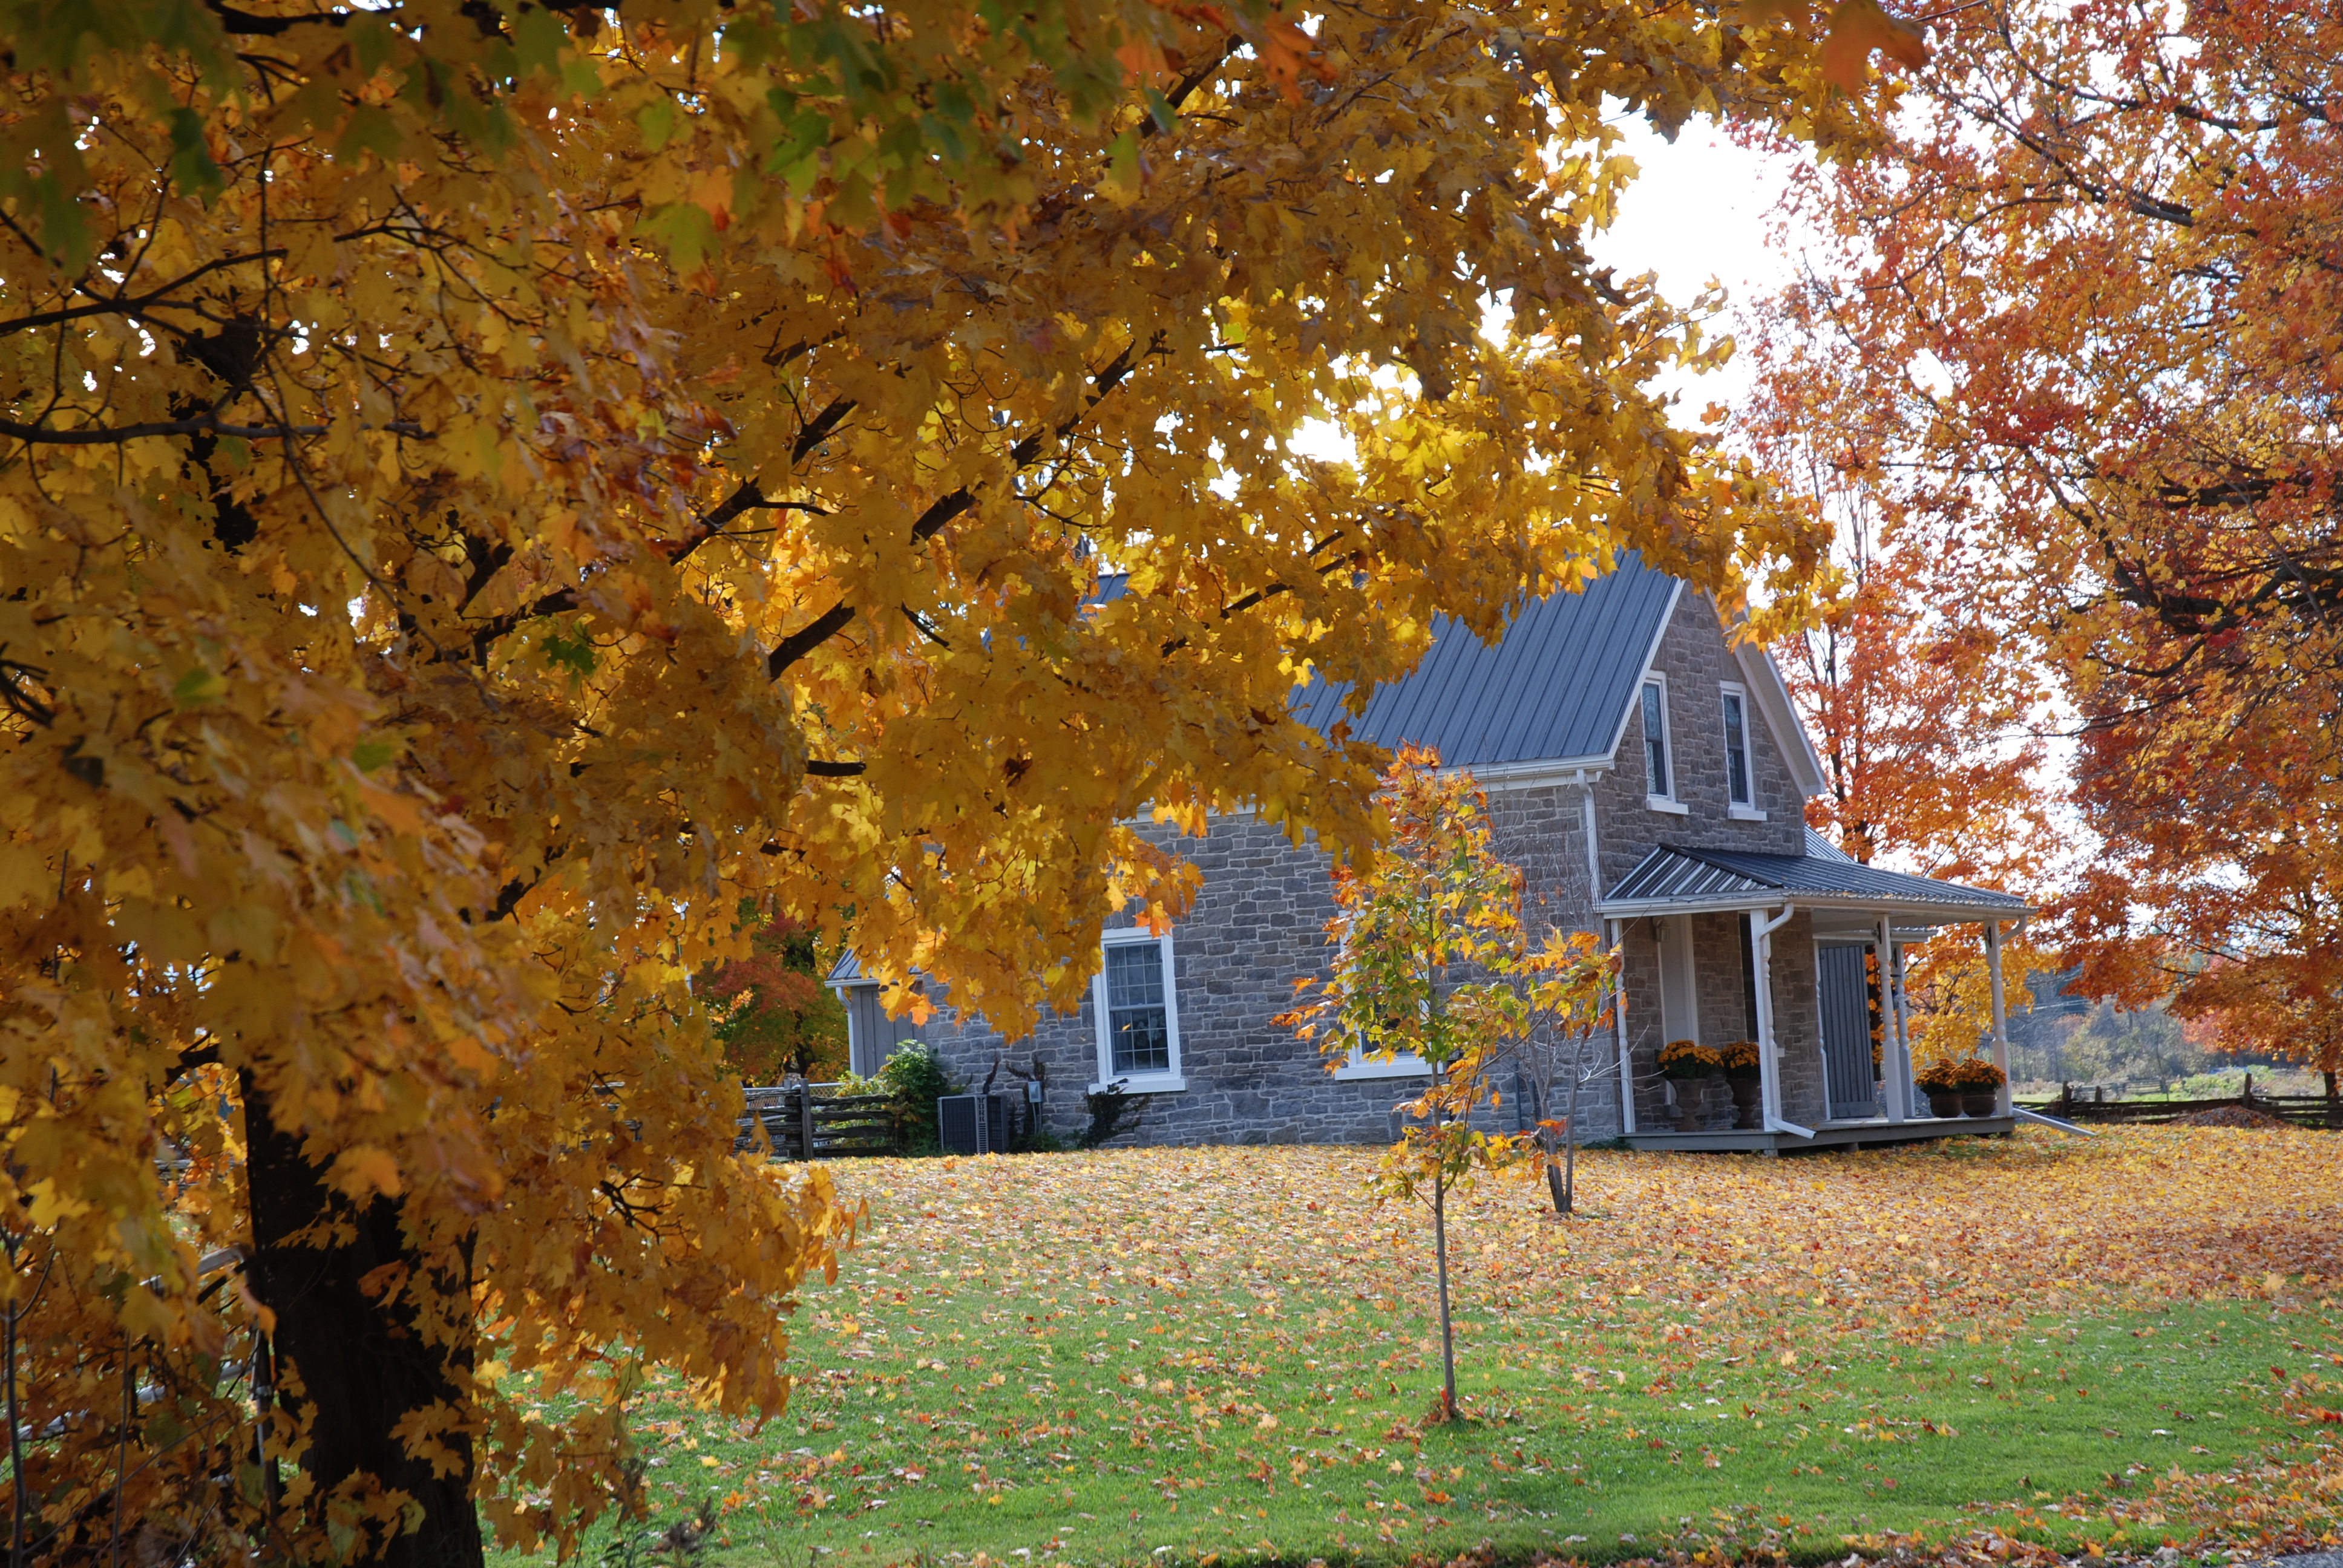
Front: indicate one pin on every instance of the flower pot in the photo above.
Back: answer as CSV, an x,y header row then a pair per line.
x,y
1979,1103
1944,1102
1748,1102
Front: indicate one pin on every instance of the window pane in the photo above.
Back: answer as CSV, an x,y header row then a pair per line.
x,y
1736,752
1138,1031
1656,741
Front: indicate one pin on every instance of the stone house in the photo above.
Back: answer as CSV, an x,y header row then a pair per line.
x,y
1650,780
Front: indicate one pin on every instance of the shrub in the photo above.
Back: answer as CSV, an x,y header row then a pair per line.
x,y
914,1078
1109,1108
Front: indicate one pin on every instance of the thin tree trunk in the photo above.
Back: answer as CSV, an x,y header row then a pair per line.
x,y
363,1364
1570,1129
15,1431
1447,1332
1549,1147
122,1448
2334,1102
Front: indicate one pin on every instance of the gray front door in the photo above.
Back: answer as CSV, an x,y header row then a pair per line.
x,y
1846,1030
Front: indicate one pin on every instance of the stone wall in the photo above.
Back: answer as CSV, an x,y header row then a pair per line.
x,y
1258,922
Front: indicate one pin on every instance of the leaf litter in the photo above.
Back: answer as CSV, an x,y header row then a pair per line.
x,y
1225,1354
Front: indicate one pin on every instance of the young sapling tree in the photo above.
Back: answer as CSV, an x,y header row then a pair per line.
x,y
1421,936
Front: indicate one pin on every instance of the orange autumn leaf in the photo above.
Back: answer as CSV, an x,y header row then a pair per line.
x,y
1858,29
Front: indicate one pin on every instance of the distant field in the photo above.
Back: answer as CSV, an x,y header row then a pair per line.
x,y
1215,1355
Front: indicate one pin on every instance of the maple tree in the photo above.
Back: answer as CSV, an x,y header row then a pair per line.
x,y
1423,936
490,489
2075,346
1932,751
2258,1009
773,1016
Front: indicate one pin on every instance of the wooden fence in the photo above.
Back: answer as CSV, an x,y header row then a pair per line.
x,y
814,1121
2073,1104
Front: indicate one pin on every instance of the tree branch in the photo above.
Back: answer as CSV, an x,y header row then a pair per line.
x,y
205,423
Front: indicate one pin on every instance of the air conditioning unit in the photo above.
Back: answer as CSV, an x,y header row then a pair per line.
x,y
975,1123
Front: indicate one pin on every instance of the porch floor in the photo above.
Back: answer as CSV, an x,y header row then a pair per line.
x,y
1831,1135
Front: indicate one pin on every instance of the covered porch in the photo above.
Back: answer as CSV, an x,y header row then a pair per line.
x,y
1805,955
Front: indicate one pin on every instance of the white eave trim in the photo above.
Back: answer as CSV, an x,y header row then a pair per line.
x,y
1651,656
1494,777
1772,897
1501,776
1771,695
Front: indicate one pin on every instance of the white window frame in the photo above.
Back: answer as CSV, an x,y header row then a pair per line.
x,y
1170,1082
1740,811
1402,1064
1660,801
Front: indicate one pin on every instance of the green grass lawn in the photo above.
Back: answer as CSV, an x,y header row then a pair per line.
x,y
1121,1360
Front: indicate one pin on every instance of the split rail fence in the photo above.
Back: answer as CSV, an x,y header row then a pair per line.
x,y
2077,1105
815,1121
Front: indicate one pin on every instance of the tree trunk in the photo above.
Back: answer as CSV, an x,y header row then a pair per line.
x,y
2334,1102
1570,1130
363,1365
1447,1334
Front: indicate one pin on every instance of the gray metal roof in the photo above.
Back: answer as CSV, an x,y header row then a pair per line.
x,y
1824,850
1673,880
1554,687
848,970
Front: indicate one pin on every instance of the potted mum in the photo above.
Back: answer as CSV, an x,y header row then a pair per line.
x,y
1977,1081
1686,1061
1746,1080
1943,1092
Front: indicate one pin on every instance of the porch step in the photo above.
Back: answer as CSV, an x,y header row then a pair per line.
x,y
1851,1135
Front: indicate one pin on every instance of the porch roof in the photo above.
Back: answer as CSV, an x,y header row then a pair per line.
x,y
1673,880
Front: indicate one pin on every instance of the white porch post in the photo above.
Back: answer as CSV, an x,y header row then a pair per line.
x,y
1619,1028
1769,1067
1769,1075
1903,1031
1894,1067
2001,1099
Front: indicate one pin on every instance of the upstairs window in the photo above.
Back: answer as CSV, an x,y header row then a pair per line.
x,y
1736,748
1137,1015
1655,741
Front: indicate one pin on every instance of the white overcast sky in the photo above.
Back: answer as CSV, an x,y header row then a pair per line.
x,y
1701,208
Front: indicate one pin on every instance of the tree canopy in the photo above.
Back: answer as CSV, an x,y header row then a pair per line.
x,y
492,491
2076,347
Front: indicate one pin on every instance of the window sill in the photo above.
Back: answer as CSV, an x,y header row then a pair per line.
x,y
1673,807
1744,813
1404,1067
1153,1083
